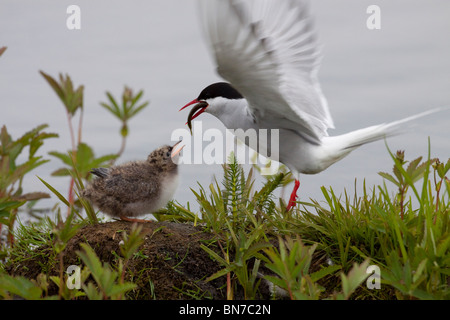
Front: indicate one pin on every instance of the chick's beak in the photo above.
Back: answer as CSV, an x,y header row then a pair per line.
x,y
197,110
176,150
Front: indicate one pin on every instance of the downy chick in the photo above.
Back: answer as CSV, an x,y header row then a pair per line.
x,y
135,188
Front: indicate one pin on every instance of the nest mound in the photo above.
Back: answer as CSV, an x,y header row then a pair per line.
x,y
169,265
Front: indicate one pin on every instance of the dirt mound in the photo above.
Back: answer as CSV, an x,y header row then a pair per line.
x,y
170,264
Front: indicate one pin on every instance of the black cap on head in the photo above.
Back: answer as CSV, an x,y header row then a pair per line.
x,y
219,89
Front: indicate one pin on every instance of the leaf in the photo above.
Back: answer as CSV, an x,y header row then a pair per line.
x,y
84,161
20,286
62,172
10,205
132,242
54,191
389,177
447,167
92,262
5,139
324,272
139,109
419,271
413,166
108,107
92,292
115,110
103,274
137,97
38,141
4,215
277,281
354,278
32,196
85,155
64,157
54,85
423,295
214,255
219,273
442,247
442,169
72,100
101,161
120,289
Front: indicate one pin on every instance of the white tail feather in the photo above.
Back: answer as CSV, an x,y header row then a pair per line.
x,y
342,145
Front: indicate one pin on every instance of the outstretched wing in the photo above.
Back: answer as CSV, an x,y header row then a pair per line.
x,y
268,50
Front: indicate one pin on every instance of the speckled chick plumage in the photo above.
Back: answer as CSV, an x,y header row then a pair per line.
x,y
135,188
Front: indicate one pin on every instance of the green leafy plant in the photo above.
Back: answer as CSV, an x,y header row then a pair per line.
x,y
12,287
131,244
81,158
72,100
230,214
404,178
352,280
440,172
107,280
81,162
63,231
371,227
129,108
246,249
12,173
291,263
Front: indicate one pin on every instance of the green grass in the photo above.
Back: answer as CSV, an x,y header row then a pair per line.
x,y
319,250
406,236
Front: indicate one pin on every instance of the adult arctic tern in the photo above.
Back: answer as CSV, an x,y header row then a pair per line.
x,y
268,51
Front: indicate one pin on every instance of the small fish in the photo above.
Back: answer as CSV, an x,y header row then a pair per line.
x,y
202,105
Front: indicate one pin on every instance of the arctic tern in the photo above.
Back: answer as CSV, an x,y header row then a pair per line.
x,y
269,52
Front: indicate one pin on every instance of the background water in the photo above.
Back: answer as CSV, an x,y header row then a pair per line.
x,y
368,77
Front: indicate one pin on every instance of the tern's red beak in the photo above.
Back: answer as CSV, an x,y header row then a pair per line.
x,y
190,103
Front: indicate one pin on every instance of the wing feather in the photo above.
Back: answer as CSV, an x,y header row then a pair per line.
x,y
268,50
130,185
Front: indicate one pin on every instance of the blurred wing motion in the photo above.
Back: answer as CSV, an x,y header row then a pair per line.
x,y
268,51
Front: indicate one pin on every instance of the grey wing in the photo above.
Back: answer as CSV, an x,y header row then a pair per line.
x,y
269,52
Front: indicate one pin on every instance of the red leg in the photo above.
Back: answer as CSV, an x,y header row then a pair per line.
x,y
293,195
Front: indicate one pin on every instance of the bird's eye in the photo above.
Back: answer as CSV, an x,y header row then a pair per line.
x,y
168,154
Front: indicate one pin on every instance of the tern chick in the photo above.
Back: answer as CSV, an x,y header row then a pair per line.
x,y
135,188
